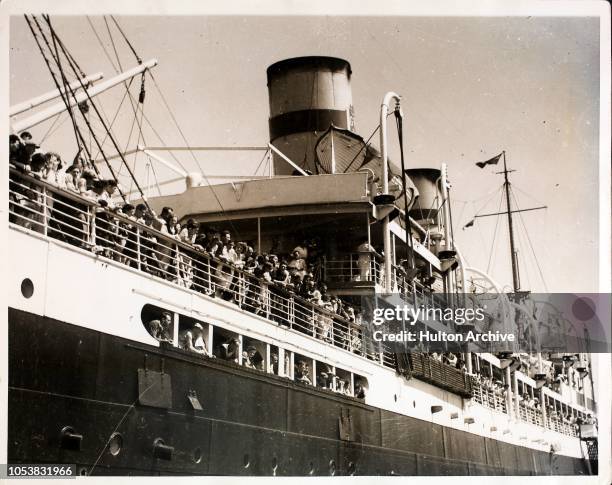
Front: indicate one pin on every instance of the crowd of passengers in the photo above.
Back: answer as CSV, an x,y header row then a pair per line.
x,y
193,339
296,274
527,401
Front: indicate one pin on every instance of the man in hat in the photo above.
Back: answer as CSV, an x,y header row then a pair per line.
x,y
160,328
15,146
193,340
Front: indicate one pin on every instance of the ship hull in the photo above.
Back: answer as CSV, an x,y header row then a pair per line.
x,y
63,376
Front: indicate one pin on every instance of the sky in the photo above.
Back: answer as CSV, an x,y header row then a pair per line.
x,y
471,87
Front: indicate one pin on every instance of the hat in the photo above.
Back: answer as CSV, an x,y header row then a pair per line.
x,y
251,347
196,325
73,167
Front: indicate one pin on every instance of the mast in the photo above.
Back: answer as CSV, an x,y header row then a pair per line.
x,y
516,283
515,276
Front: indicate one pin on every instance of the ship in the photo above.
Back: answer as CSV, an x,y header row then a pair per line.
x,y
132,352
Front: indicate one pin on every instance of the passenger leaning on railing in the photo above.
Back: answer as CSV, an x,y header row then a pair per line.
x,y
26,198
220,265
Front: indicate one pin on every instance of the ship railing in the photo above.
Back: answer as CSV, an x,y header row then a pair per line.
x,y
42,208
353,267
79,221
494,400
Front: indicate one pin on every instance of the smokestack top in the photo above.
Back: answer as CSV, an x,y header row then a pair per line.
x,y
307,62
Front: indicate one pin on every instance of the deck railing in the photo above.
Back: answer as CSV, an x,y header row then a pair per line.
x,y
495,399
79,221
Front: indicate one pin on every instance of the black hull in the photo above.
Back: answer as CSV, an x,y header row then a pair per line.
x,y
251,423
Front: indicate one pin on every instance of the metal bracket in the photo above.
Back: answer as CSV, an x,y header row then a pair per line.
x,y
193,399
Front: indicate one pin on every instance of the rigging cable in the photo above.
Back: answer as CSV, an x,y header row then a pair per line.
x,y
265,156
54,35
494,234
67,87
126,40
102,45
530,243
113,44
64,95
116,115
212,190
132,100
365,145
56,119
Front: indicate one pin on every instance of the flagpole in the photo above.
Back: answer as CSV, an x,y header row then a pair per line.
x,y
515,277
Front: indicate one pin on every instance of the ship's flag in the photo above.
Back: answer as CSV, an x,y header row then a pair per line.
x,y
490,161
469,224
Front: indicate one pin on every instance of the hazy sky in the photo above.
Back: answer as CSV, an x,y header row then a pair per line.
x,y
471,88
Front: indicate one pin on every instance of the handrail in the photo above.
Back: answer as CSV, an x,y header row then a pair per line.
x,y
168,242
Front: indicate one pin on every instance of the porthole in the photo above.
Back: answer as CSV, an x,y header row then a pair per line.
x,y
197,455
352,468
414,404
395,397
115,444
246,462
27,288
332,468
83,472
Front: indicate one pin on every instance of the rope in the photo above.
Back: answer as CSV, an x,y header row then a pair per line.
x,y
102,45
494,234
64,95
54,35
126,40
113,44
530,243
265,156
366,144
155,178
116,114
55,120
191,152
133,103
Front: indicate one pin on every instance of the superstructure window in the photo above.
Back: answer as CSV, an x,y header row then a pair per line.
x,y
194,336
159,322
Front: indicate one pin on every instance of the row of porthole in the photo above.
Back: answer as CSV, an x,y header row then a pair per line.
x,y
352,468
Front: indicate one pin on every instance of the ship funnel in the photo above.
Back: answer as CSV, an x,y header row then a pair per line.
x,y
307,96
429,202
